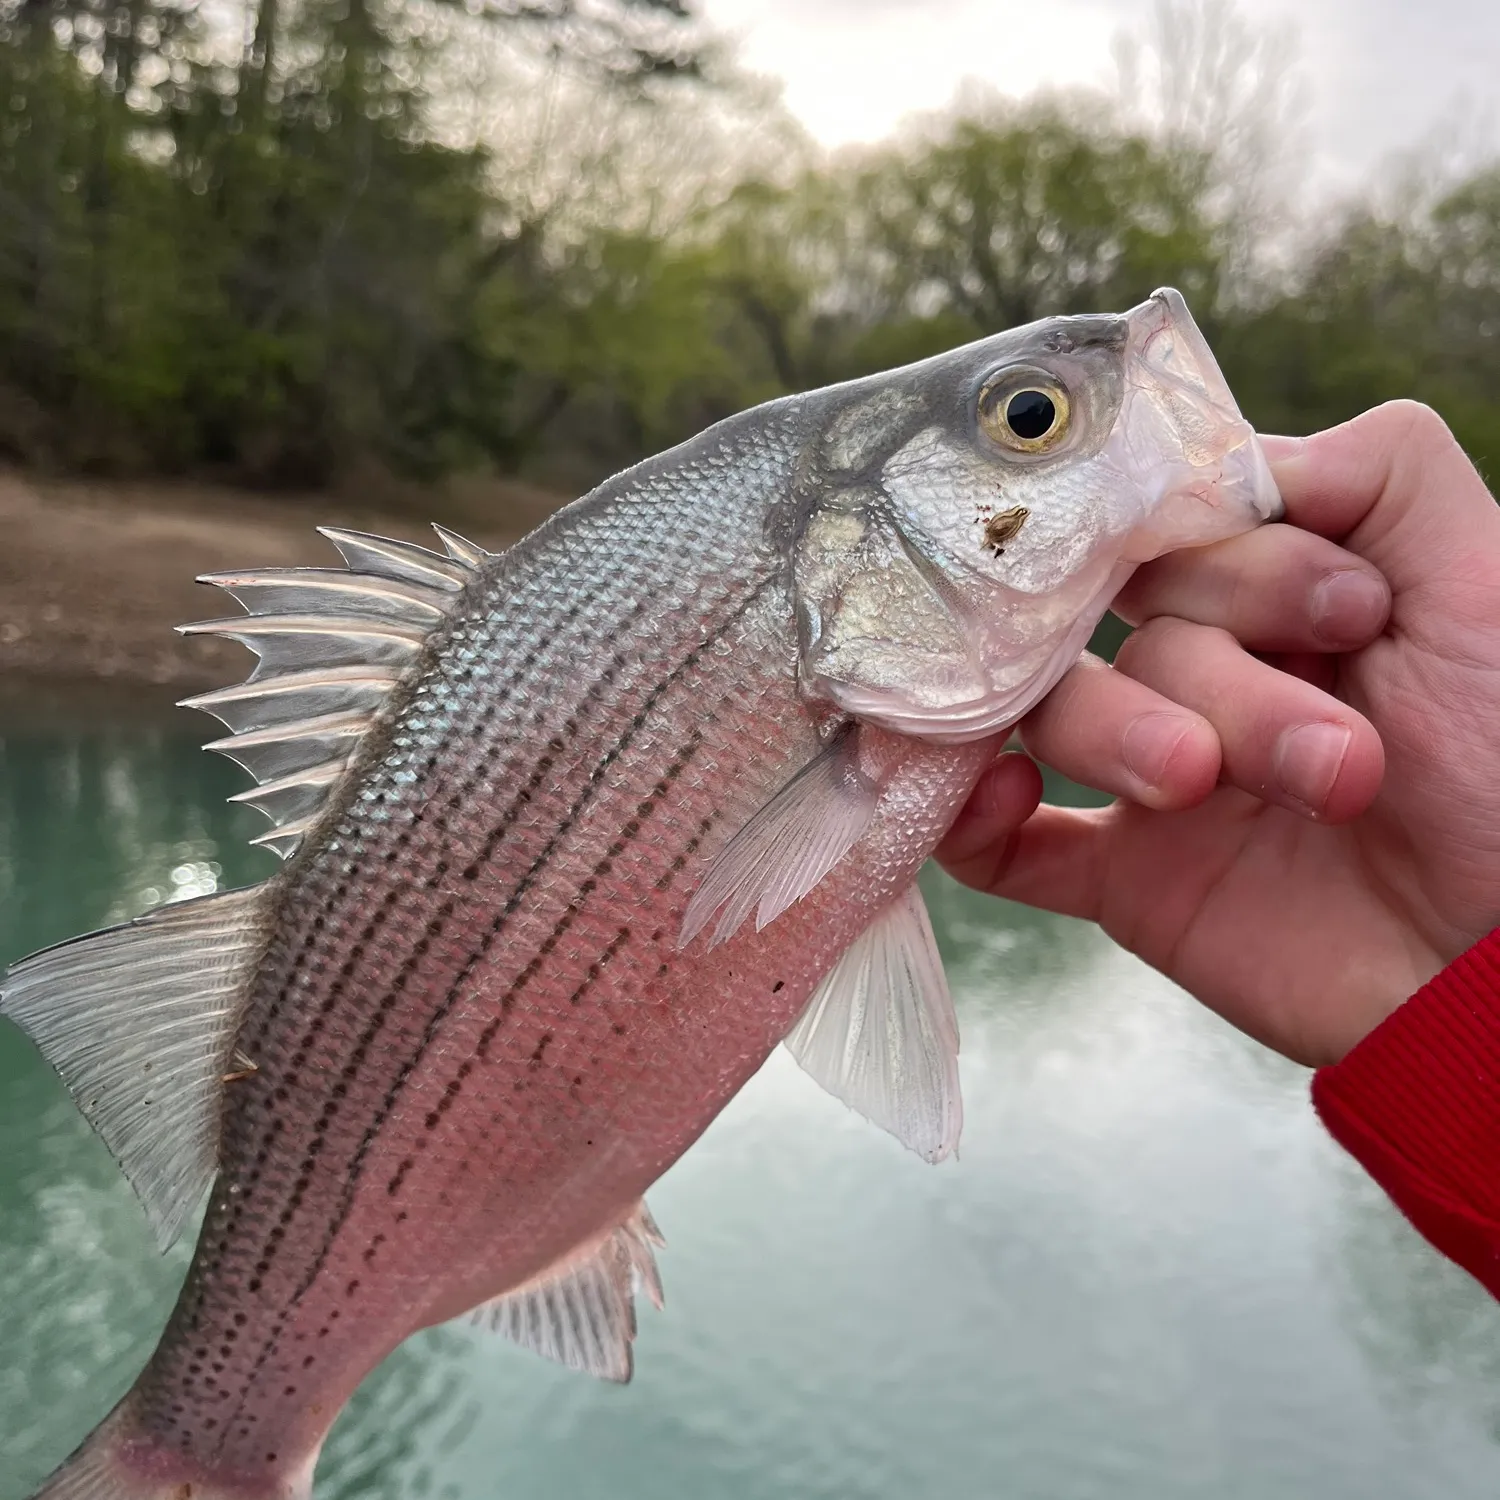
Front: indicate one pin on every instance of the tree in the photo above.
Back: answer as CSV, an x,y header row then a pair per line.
x,y
1228,97
1034,210
257,255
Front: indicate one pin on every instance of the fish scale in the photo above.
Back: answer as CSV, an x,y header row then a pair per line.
x,y
574,818
510,973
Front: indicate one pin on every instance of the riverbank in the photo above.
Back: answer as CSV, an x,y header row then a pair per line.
x,y
94,576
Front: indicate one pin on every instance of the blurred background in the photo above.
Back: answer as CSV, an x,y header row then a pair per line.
x,y
271,262
314,243
264,266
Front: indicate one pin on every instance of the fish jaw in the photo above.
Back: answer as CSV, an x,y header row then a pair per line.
x,y
1182,439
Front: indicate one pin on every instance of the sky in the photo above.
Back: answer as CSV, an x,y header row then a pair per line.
x,y
1382,76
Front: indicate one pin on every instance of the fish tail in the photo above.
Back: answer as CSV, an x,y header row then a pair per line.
x,y
117,1462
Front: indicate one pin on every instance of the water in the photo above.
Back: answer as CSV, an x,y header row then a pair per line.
x,y
1150,1275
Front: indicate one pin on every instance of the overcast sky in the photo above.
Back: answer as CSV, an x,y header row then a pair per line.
x,y
1382,74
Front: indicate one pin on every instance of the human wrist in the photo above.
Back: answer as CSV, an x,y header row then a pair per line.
x,y
1380,994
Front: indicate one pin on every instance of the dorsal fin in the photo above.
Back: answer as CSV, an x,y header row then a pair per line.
x,y
459,548
333,644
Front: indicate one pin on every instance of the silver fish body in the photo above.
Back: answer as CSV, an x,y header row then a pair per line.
x,y
480,1011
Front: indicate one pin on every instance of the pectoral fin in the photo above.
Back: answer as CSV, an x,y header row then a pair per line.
x,y
581,1312
789,845
880,1032
140,1021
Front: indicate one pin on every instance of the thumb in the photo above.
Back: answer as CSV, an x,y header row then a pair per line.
x,y
1395,487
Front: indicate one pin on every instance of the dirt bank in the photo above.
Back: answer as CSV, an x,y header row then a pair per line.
x,y
93,577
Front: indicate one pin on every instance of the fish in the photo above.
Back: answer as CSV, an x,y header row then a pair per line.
x,y
574,836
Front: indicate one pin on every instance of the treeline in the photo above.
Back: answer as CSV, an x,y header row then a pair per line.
x,y
285,242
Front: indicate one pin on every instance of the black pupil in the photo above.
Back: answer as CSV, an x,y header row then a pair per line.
x,y
1030,414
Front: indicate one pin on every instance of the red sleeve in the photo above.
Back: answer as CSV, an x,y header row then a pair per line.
x,y
1417,1104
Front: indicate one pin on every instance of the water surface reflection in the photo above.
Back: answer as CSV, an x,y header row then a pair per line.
x,y
1150,1275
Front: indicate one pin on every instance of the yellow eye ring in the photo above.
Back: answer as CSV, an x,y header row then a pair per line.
x,y
1025,411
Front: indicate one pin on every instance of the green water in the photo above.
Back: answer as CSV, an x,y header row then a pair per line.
x,y
1150,1275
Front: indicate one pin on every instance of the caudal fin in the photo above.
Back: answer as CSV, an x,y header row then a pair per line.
x,y
114,1465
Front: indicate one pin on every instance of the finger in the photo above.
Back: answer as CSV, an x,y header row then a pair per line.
x,y
1054,860
1003,798
1317,668
1106,730
1283,740
1275,589
1394,483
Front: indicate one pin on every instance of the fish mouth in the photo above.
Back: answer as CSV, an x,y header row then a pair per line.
x,y
1163,332
1183,436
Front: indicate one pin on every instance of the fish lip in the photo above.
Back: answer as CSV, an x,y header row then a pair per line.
x,y
1165,315
1187,367
1173,316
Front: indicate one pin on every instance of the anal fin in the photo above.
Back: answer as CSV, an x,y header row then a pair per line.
x,y
880,1032
140,1022
581,1312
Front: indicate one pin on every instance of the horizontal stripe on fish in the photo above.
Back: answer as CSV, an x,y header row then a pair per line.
x,y
283,1219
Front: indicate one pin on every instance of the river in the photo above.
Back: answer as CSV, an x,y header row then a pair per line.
x,y
1150,1276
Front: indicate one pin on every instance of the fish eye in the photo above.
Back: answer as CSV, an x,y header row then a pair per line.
x,y
1025,411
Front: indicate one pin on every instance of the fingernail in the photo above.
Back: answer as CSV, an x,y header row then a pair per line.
x,y
1307,761
1348,607
1150,743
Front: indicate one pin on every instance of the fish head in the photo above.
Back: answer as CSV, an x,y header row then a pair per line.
x,y
963,523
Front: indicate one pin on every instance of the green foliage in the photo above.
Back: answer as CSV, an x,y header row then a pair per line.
x,y
1035,214
265,266
274,260
1387,307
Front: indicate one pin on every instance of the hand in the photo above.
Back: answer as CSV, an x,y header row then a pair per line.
x,y
1256,855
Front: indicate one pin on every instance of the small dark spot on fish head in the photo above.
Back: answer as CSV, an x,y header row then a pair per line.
x,y
777,988
1004,527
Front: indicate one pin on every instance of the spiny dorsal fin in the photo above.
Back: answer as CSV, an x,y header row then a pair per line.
x,y
383,558
333,644
581,1312
140,1022
459,548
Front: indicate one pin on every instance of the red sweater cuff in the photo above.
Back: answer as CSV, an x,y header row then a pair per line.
x,y
1417,1104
